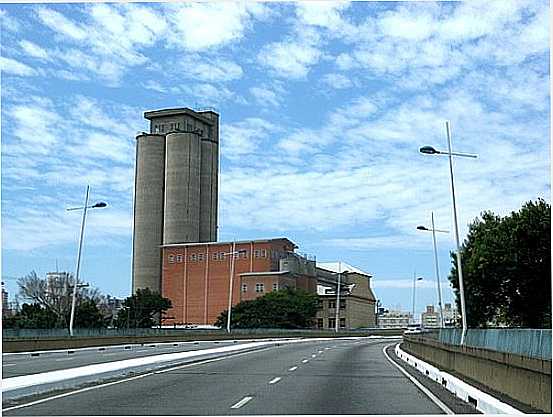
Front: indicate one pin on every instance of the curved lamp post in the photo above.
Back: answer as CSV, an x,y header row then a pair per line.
x,y
434,230
233,253
415,279
431,151
100,204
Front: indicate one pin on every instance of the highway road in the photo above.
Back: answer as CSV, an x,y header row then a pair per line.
x,y
319,377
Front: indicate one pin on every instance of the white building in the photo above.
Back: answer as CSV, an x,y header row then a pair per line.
x,y
394,319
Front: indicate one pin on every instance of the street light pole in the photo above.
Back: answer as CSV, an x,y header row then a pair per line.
x,y
415,279
230,287
77,269
337,315
459,266
233,253
431,151
437,271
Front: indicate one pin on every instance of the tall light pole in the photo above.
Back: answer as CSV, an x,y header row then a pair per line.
x,y
77,269
337,315
415,279
450,153
434,230
233,254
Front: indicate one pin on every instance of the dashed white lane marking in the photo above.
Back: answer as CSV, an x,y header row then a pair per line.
x,y
425,390
64,359
313,356
327,348
9,364
242,402
320,351
275,380
293,368
188,365
143,350
305,361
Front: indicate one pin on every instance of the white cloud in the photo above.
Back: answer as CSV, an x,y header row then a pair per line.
x,y
210,70
337,81
59,23
244,137
9,23
11,66
321,13
265,96
33,49
197,26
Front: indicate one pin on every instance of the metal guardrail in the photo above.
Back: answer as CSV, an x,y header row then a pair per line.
x,y
533,343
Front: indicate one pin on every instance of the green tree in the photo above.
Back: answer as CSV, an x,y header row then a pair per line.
x,y
287,308
143,309
88,315
507,268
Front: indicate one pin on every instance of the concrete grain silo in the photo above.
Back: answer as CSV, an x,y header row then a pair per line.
x,y
182,188
176,187
148,210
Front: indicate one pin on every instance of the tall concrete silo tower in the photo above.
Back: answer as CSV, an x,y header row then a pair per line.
x,y
176,193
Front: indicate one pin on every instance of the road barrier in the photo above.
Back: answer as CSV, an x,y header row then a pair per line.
x,y
521,378
29,343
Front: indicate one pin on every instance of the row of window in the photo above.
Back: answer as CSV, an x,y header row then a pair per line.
x,y
331,304
160,128
220,256
259,287
331,323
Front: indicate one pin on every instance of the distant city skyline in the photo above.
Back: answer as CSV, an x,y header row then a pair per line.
x,y
323,108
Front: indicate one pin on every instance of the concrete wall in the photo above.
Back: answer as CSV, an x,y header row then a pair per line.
x,y
527,380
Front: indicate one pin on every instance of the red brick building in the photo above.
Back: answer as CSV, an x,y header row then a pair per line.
x,y
196,276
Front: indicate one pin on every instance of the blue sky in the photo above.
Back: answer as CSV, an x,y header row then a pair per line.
x,y
323,108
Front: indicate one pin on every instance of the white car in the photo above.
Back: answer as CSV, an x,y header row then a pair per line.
x,y
413,329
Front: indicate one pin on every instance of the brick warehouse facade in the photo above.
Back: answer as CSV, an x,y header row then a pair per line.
x,y
195,276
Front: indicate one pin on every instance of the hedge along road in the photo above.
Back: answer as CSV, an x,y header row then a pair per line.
x,y
321,377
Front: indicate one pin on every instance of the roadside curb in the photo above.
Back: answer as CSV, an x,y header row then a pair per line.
x,y
479,399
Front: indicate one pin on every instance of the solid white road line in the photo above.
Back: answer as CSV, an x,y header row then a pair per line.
x,y
275,380
9,364
293,368
144,350
64,359
242,402
425,390
130,379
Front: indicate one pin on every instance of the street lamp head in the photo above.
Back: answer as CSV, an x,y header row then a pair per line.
x,y
100,204
422,228
428,150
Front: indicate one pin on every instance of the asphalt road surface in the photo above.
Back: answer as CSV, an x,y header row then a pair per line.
x,y
319,377
26,364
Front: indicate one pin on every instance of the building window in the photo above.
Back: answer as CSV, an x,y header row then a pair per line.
x,y
320,323
162,128
215,256
200,257
342,322
342,304
221,256
178,126
156,129
171,259
244,287
179,258
256,253
259,287
275,286
244,254
188,127
331,304
319,304
331,323
193,257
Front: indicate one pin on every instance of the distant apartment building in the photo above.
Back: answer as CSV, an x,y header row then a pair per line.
x,y
196,276
451,315
5,305
357,301
430,318
394,319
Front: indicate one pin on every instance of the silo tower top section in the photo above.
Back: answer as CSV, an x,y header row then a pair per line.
x,y
205,123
